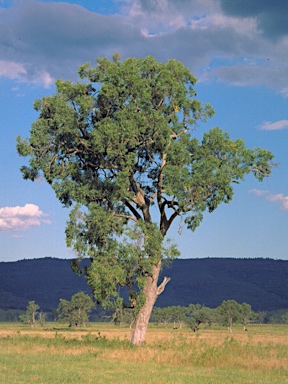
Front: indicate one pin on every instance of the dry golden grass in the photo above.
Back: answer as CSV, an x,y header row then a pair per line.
x,y
257,349
210,356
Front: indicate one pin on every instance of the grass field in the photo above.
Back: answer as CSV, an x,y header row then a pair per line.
x,y
101,353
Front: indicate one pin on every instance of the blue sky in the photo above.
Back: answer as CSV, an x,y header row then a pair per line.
x,y
238,50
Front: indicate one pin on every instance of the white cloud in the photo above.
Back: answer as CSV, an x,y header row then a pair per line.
x,y
277,125
218,20
258,192
44,79
278,198
11,70
17,71
283,200
21,218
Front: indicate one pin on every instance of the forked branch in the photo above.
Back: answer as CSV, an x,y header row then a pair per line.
x,y
162,286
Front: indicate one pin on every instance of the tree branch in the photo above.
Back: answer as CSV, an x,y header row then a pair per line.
x,y
132,209
126,217
142,202
163,218
175,135
162,286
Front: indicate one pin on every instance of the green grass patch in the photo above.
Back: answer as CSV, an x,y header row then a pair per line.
x,y
93,356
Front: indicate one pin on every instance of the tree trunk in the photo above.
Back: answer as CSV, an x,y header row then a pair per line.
x,y
151,292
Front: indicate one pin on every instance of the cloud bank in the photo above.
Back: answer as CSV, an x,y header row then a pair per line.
x,y
271,14
218,40
21,218
274,198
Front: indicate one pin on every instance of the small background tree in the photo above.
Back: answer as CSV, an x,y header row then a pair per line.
x,y
246,314
178,316
229,312
198,314
76,311
29,317
42,317
162,315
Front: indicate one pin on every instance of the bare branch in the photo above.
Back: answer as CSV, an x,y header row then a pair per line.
x,y
175,136
162,286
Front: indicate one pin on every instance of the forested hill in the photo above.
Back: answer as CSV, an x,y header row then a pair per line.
x,y
263,283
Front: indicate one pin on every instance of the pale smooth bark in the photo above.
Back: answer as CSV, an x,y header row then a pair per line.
x,y
151,292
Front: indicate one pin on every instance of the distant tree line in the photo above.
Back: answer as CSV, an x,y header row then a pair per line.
x,y
227,314
230,312
78,310
74,312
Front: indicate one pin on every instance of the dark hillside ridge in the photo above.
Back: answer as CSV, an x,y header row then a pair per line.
x,y
45,280
263,283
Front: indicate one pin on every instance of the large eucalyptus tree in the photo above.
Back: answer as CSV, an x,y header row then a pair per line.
x,y
118,148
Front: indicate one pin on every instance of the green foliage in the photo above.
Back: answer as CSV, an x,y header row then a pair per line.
x,y
29,317
117,146
197,314
229,312
162,315
194,315
75,311
284,318
273,317
246,313
10,315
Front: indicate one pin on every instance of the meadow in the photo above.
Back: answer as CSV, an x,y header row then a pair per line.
x,y
101,353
